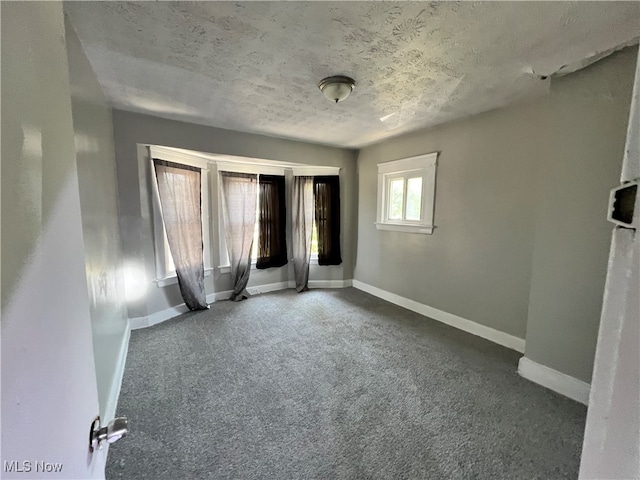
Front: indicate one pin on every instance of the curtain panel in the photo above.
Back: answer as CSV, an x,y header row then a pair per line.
x,y
239,191
179,189
302,226
272,242
326,191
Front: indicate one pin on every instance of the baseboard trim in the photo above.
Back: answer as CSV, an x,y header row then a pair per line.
x,y
329,283
554,380
272,287
225,295
269,287
171,312
469,326
163,315
116,384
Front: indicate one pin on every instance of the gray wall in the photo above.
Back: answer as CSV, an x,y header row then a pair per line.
x,y
585,129
93,132
477,263
521,194
133,130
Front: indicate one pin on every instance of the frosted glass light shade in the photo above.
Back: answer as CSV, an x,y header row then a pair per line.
x,y
337,88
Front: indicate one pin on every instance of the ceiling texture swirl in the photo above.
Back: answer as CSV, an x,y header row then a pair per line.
x,y
255,66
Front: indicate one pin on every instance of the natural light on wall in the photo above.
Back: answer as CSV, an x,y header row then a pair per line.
x,y
135,283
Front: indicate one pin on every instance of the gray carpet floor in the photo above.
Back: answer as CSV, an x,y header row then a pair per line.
x,y
333,384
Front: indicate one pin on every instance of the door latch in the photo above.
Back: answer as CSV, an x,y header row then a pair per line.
x,y
114,431
622,203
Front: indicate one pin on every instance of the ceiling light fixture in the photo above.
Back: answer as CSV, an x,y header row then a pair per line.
x,y
336,88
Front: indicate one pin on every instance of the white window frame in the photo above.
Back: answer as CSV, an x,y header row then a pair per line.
x,y
255,169
423,166
211,165
314,171
261,169
163,277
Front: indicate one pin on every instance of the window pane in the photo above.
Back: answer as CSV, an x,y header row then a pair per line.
x,y
169,266
414,198
314,240
256,231
396,194
254,245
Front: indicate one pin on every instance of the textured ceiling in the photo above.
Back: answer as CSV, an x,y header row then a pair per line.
x,y
254,66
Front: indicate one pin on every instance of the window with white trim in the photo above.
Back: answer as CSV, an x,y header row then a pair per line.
x,y
224,256
406,194
243,167
165,268
213,225
265,169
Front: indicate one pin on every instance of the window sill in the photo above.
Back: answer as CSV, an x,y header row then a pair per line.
x,y
173,279
407,228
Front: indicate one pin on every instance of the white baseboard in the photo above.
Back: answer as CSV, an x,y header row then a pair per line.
x,y
163,315
272,287
166,314
114,393
324,283
329,283
488,333
554,380
269,287
226,295
255,290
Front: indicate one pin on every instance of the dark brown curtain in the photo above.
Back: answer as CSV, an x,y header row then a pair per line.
x,y
180,201
272,243
326,192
